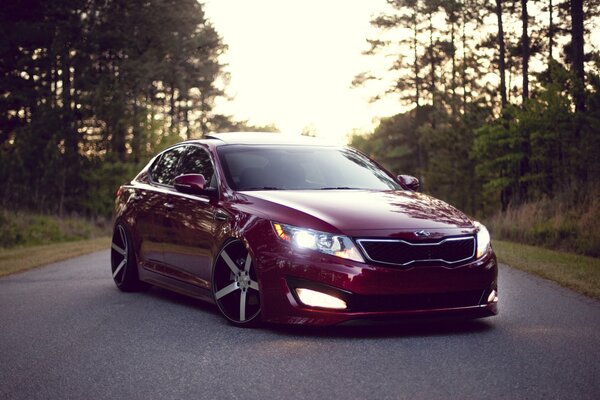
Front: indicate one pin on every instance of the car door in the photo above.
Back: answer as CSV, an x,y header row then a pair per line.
x,y
153,222
150,255
189,240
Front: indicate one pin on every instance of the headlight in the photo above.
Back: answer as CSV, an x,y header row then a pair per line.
x,y
483,240
336,245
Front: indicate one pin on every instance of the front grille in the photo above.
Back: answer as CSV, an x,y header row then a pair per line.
x,y
419,301
451,251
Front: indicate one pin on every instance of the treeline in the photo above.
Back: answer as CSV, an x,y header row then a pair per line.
x,y
91,88
503,99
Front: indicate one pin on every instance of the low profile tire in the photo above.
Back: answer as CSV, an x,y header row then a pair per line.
x,y
235,285
123,262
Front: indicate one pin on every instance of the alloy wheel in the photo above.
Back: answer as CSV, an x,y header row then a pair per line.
x,y
119,255
235,284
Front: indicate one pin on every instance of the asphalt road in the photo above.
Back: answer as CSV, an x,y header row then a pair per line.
x,y
66,332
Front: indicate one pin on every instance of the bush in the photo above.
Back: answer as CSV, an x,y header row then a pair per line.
x,y
19,228
565,223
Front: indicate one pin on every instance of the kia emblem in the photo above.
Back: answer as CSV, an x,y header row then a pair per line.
x,y
422,234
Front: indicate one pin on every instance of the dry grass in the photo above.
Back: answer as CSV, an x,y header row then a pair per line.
x,y
20,228
574,271
562,223
21,259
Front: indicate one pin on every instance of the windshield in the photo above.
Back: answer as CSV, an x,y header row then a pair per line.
x,y
300,167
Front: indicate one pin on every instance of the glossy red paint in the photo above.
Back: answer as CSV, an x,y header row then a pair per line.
x,y
190,183
341,212
178,232
279,262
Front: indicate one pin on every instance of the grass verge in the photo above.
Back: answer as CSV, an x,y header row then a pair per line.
x,y
21,259
577,272
566,222
24,229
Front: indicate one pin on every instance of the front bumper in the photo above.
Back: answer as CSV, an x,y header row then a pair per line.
x,y
371,292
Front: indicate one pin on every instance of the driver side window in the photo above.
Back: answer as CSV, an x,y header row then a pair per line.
x,y
197,161
164,169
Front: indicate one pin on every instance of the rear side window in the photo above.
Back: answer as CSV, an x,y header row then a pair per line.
x,y
197,161
164,170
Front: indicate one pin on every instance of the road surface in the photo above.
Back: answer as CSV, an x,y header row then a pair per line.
x,y
66,332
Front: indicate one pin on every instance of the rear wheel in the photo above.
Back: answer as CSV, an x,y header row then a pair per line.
x,y
123,262
235,285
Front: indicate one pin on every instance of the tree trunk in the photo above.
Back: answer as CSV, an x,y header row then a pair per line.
x,y
464,63
203,116
416,55
172,112
432,71
577,57
136,140
453,80
525,49
186,119
502,55
68,112
550,30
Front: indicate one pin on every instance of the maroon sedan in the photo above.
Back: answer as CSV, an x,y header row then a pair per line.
x,y
284,229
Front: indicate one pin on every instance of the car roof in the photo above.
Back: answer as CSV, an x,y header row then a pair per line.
x,y
269,138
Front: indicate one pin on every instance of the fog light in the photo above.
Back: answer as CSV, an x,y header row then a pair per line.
x,y
317,299
493,297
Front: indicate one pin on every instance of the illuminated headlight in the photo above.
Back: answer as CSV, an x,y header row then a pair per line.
x,y
313,298
336,245
483,240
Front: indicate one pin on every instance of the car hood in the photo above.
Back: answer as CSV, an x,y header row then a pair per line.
x,y
354,211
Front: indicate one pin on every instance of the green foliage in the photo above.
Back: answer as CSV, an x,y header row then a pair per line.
x,y
440,157
224,123
483,164
559,223
92,89
475,151
498,153
449,173
26,229
395,142
101,182
535,151
590,133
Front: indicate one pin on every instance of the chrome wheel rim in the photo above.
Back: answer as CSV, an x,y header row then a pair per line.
x,y
119,254
235,285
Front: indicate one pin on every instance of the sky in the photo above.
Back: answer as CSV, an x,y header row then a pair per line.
x,y
292,63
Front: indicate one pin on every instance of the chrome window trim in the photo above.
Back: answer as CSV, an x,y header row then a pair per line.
x,y
164,189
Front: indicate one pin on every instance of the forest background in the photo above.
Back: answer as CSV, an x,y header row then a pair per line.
x,y
499,105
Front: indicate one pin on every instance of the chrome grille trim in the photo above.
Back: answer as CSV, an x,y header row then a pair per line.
x,y
366,254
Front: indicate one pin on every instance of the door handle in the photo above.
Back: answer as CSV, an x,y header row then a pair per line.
x,y
169,206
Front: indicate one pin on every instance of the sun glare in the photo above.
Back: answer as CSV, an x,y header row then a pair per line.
x,y
292,63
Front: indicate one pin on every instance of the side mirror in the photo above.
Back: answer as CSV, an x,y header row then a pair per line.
x,y
409,182
193,184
